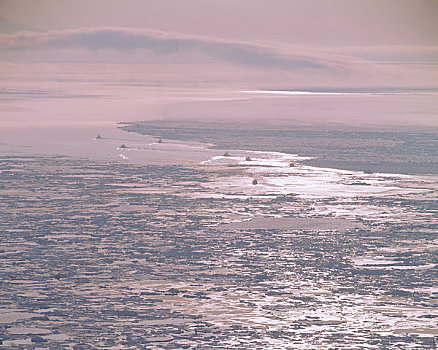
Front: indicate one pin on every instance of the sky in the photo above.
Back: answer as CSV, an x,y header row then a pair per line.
x,y
314,22
171,51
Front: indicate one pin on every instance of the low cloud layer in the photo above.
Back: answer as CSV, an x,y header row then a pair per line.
x,y
270,64
423,54
164,43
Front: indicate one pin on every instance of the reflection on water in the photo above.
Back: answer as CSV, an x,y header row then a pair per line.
x,y
132,253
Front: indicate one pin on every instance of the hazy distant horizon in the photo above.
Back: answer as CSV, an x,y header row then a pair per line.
x,y
73,62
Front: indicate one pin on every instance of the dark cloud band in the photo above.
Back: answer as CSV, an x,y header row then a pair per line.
x,y
163,43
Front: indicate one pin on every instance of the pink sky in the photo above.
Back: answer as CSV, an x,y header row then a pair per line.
x,y
140,56
310,22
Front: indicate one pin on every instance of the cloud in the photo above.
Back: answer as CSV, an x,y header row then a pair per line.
x,y
167,44
402,54
8,27
274,64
